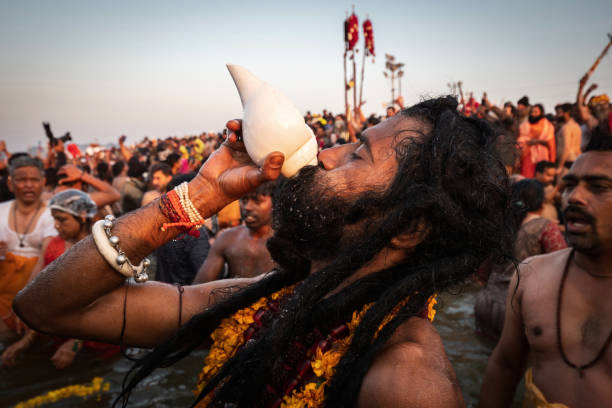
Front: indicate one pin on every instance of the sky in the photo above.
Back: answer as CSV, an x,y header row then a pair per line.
x,y
103,69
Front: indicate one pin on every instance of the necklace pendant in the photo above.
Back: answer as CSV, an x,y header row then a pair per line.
x,y
580,372
21,245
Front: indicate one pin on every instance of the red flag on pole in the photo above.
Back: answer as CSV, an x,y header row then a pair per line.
x,y
368,35
351,31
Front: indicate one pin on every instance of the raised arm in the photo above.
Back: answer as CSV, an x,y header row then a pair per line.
x,y
83,296
104,193
507,362
125,152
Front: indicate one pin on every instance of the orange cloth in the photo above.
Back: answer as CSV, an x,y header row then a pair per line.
x,y
534,398
229,216
14,273
531,155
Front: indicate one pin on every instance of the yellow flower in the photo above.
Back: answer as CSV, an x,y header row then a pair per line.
x,y
97,385
228,338
431,312
325,364
311,396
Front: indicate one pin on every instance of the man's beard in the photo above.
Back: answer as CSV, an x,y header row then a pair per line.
x,y
311,219
535,119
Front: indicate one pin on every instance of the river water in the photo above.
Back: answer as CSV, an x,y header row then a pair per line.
x,y
171,387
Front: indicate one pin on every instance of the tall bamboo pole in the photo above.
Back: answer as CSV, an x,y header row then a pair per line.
x,y
362,71
345,84
603,54
354,82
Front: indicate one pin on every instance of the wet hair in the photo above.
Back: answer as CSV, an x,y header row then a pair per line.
x,y
434,182
102,171
527,195
512,108
541,107
269,187
117,168
601,139
163,167
51,178
565,107
25,161
172,159
135,167
179,178
373,120
544,165
17,155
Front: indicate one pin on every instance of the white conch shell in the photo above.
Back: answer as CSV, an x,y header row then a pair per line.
x,y
272,123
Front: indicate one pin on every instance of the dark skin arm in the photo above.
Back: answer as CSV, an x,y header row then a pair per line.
x,y
411,371
83,295
507,363
212,268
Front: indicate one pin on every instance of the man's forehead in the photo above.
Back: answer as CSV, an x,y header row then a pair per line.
x,y
593,162
396,129
23,170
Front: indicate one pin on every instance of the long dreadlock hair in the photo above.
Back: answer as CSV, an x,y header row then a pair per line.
x,y
450,177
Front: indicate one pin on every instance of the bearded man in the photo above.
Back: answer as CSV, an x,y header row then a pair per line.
x,y
536,140
363,241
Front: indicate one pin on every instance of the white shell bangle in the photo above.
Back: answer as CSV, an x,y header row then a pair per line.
x,y
108,246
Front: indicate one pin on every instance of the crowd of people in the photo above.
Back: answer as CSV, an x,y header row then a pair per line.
x,y
552,194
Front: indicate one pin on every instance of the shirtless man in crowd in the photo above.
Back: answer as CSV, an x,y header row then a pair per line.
x,y
243,247
559,320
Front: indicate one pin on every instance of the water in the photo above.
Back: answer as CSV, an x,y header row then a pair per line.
x,y
467,352
171,387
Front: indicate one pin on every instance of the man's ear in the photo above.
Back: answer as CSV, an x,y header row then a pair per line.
x,y
418,231
10,184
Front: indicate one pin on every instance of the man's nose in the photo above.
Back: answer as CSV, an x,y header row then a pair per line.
x,y
577,195
336,156
248,206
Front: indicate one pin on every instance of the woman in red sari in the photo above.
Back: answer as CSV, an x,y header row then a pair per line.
x,y
536,235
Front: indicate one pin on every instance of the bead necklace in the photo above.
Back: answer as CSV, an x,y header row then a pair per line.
x,y
578,368
22,237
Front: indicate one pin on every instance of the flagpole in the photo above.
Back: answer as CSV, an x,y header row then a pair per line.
x,y
355,67
354,83
362,70
345,83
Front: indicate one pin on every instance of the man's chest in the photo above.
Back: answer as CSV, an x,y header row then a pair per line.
x,y
248,259
576,329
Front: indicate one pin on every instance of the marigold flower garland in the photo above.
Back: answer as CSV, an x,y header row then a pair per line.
x,y
230,336
312,395
78,390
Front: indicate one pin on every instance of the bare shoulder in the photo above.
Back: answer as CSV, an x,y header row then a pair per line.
x,y
411,371
543,267
229,235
